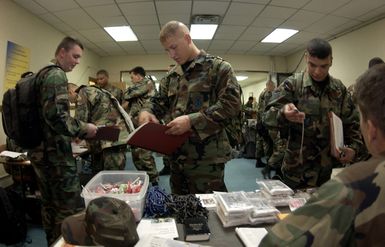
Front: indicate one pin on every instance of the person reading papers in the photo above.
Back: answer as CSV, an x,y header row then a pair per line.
x,y
349,209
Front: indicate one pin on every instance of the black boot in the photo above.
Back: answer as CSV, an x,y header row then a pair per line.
x,y
259,163
165,171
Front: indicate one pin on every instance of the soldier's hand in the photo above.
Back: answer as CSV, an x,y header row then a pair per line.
x,y
346,155
292,114
91,130
145,117
179,125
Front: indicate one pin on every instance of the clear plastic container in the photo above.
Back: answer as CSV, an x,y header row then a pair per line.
x,y
135,200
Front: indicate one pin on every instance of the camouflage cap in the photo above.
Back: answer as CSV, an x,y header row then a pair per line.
x,y
107,221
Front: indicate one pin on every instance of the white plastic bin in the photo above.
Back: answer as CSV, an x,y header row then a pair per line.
x,y
135,200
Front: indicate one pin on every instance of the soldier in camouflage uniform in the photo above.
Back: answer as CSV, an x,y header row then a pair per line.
x,y
349,209
102,81
52,161
302,106
264,142
199,103
135,97
98,106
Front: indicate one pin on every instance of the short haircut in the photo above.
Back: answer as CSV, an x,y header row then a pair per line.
x,y
369,92
138,70
102,72
67,43
171,29
251,98
319,48
72,86
374,61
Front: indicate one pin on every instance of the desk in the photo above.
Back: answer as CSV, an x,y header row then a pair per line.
x,y
20,164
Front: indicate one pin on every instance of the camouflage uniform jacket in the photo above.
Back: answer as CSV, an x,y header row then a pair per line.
x,y
117,92
346,211
263,100
207,100
316,102
58,126
95,105
137,95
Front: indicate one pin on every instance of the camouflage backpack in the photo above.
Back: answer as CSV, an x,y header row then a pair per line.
x,y
233,126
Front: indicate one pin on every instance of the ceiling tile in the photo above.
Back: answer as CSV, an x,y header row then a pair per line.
x,y
344,27
267,22
326,24
87,3
77,18
210,8
103,11
147,32
57,5
325,6
291,4
221,44
242,46
277,12
138,8
96,35
263,47
152,45
229,32
173,7
253,1
358,7
255,33
31,6
376,13
111,21
163,19
241,13
202,44
302,37
302,19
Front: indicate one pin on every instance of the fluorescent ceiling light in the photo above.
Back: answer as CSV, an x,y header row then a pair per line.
x,y
121,33
203,31
241,77
279,35
153,78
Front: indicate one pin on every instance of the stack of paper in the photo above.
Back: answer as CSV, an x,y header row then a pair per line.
x,y
240,208
277,193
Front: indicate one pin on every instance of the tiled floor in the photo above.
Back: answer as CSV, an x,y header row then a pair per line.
x,y
240,174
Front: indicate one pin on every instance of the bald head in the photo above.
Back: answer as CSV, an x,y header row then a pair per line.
x,y
173,29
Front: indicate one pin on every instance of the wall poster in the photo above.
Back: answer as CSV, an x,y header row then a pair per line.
x,y
17,62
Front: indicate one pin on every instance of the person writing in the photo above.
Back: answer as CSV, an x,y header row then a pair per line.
x,y
199,95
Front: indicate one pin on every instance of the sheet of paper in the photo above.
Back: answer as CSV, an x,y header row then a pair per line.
x,y
162,227
11,154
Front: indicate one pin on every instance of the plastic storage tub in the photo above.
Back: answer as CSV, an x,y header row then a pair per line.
x,y
135,200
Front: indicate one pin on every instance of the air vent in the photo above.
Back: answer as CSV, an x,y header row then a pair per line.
x,y
205,19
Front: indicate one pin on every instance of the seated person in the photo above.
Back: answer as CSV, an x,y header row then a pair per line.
x,y
349,209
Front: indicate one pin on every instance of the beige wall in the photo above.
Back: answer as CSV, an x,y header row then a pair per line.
x,y
21,27
116,64
352,52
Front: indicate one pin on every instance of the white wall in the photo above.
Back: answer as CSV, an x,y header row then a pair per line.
x,y
351,52
21,27
116,64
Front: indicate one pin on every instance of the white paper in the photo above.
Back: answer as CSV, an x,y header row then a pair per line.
x,y
207,200
11,154
251,236
155,241
162,227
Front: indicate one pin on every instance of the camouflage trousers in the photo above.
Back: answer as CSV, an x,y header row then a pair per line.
x,y
144,161
197,179
113,158
60,191
264,144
